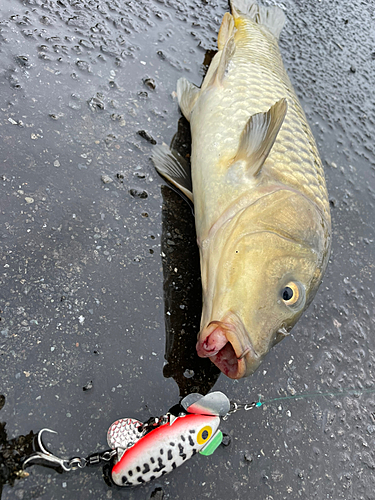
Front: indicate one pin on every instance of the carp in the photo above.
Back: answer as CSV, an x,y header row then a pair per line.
x,y
257,183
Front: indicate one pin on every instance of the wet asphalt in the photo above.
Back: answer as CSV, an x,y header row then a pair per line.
x,y
100,288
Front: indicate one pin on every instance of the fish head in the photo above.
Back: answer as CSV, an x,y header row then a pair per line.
x,y
258,277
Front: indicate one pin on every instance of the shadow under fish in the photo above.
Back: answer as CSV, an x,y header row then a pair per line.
x,y
182,288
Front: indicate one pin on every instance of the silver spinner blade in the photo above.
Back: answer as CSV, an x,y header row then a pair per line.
x,y
214,403
124,433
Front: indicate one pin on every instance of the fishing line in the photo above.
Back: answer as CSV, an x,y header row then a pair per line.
x,y
140,452
358,392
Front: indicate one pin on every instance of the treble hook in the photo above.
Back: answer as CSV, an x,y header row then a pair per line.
x,y
45,455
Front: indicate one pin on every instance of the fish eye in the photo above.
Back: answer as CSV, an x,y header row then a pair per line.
x,y
204,434
291,293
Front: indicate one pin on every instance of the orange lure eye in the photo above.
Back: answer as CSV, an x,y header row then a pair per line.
x,y
204,434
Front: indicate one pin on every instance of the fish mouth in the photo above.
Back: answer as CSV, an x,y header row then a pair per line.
x,y
231,352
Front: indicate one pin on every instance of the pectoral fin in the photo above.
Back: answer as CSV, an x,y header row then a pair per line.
x,y
259,136
187,94
173,167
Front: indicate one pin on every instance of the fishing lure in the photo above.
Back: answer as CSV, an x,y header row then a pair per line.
x,y
165,448
141,452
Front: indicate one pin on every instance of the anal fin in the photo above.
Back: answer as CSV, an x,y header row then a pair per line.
x,y
173,167
225,58
187,94
259,135
226,30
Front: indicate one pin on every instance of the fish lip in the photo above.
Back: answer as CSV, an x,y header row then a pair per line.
x,y
233,350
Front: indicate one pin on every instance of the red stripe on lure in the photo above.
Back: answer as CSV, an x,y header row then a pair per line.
x,y
164,448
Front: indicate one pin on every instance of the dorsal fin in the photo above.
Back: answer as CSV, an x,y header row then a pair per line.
x,y
259,135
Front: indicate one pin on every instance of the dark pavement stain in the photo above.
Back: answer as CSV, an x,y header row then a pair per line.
x,y
12,453
84,262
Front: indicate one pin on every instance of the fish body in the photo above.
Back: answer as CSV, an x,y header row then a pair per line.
x,y
163,449
260,199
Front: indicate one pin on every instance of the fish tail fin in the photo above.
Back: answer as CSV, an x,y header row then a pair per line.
x,y
271,17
